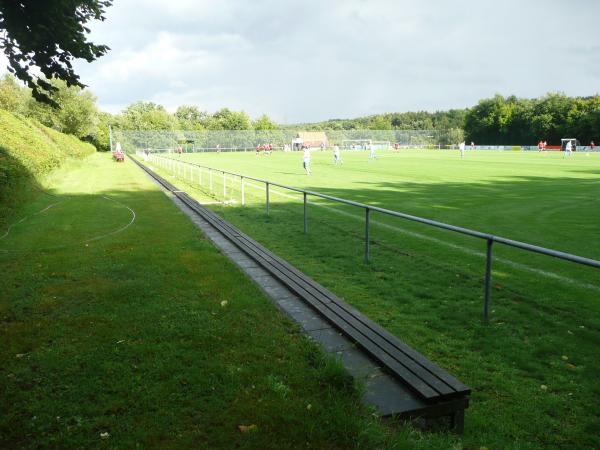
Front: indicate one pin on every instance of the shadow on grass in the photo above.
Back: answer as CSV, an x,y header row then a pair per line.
x,y
17,185
544,329
150,336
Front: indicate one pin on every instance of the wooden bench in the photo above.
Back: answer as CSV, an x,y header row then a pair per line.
x,y
431,391
118,157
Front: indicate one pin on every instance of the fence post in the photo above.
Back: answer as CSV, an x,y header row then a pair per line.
x,y
267,191
488,280
367,243
243,197
224,187
210,179
305,215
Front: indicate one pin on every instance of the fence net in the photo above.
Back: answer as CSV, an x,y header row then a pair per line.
x,y
233,140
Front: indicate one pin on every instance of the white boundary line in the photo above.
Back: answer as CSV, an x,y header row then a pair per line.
x,y
95,238
31,215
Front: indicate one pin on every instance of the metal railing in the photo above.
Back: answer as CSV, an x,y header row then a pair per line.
x,y
489,238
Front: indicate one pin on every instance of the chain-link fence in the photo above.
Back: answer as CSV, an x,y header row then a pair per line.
x,y
233,140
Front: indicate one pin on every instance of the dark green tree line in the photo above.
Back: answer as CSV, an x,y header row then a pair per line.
x,y
517,121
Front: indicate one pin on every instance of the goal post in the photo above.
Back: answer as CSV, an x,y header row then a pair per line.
x,y
381,145
356,144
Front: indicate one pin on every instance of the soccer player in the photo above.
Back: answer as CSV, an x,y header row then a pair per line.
x,y
461,147
472,145
568,148
306,159
322,146
336,155
371,148
592,145
540,146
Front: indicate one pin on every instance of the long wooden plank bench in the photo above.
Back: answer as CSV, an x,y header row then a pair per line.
x,y
435,392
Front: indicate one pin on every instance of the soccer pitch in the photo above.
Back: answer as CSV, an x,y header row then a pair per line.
x,y
536,197
535,361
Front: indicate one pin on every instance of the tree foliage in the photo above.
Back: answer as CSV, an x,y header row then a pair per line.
x,y
511,120
420,120
263,123
47,35
77,112
147,116
12,95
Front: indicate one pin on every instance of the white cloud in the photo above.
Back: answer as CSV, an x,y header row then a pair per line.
x,y
310,60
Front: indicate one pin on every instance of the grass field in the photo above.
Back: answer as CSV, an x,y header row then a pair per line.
x,y
533,368
122,327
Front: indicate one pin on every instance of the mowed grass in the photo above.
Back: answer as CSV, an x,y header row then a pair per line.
x,y
150,337
533,367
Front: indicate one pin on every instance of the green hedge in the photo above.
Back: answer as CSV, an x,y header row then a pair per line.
x,y
28,152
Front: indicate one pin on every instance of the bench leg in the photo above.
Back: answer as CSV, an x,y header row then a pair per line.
x,y
458,421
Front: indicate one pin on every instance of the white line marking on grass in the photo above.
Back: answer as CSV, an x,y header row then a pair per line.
x,y
95,238
27,217
469,251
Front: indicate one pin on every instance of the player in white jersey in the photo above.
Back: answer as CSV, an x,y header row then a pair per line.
x,y
372,154
568,149
461,147
337,159
306,160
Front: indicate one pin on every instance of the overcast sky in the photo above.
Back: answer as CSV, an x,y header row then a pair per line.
x,y
311,60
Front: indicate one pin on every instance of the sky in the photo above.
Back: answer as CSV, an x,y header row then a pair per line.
x,y
312,60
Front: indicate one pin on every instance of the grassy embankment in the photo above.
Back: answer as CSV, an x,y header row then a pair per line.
x,y
29,151
534,367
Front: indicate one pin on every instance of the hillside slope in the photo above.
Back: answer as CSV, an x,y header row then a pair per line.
x,y
28,152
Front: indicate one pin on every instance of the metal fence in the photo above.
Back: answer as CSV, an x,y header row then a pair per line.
x,y
239,140
175,166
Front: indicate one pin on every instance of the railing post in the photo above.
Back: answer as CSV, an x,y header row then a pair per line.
x,y
267,192
243,196
305,214
367,243
488,280
210,179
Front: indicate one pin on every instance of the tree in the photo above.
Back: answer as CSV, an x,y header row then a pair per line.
x,y
380,123
77,113
101,135
190,117
264,123
47,36
147,116
225,119
12,96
